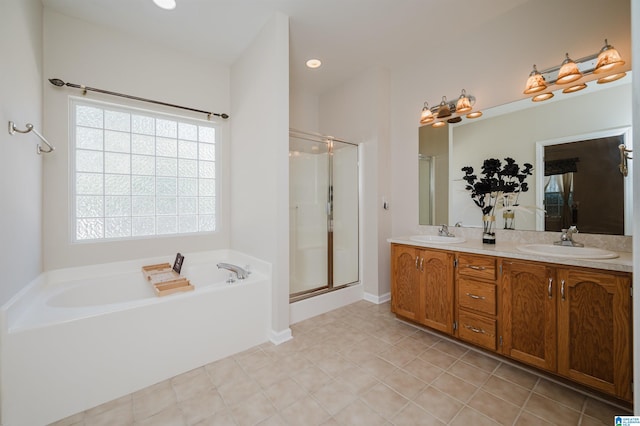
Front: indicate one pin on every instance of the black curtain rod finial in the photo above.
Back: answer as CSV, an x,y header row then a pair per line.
x,y
56,82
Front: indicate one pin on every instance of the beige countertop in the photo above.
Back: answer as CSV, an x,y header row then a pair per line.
x,y
509,249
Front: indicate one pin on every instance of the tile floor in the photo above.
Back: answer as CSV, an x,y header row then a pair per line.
x,y
356,365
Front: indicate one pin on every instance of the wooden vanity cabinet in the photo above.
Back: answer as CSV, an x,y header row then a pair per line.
x,y
477,300
529,313
422,286
405,281
571,321
594,329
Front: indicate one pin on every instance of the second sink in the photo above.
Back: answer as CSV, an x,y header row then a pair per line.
x,y
567,251
439,239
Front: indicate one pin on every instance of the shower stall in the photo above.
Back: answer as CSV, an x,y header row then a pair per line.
x,y
323,204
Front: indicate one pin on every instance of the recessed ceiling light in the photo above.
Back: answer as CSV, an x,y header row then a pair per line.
x,y
165,4
314,63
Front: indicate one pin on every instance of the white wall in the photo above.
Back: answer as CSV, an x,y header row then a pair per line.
x,y
20,166
515,135
303,111
83,53
259,159
358,112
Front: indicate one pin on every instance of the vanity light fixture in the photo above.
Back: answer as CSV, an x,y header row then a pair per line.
x,y
569,71
535,82
464,104
426,116
165,4
608,59
444,110
449,112
601,66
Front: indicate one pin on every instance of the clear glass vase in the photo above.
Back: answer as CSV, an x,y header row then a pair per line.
x,y
509,217
488,234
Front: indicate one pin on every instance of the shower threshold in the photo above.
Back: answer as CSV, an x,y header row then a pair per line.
x,y
296,297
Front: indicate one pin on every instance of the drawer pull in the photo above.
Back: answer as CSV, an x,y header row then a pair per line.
x,y
475,296
476,268
421,264
417,257
562,289
550,288
475,330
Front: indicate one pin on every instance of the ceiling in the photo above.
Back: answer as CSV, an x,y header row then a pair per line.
x,y
350,36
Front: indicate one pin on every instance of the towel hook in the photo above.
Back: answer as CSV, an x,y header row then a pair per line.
x,y
39,150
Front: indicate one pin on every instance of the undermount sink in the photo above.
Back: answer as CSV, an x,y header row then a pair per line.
x,y
568,251
438,239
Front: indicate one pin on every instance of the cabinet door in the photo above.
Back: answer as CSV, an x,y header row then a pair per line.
x,y
594,331
529,313
436,296
405,282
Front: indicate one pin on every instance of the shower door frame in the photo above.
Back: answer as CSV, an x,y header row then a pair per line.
x,y
329,140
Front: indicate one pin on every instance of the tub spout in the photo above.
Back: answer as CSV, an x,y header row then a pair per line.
x,y
241,273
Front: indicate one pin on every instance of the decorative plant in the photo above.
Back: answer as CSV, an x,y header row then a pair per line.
x,y
497,182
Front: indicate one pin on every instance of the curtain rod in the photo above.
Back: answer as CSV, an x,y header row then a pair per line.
x,y
59,83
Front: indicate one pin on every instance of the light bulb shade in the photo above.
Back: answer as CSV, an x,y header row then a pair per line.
x,y
439,124
611,77
575,88
474,114
542,97
608,59
464,103
426,116
568,71
535,82
443,108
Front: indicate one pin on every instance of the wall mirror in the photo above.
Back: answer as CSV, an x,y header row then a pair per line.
x,y
516,130
582,183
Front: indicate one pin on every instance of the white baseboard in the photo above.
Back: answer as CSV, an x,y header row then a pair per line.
x,y
278,337
377,299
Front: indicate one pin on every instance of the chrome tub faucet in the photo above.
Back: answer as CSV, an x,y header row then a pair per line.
x,y
241,273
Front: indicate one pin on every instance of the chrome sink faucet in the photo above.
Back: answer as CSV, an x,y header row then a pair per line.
x,y
241,273
444,231
566,239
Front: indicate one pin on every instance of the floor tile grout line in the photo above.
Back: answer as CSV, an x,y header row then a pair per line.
x,y
524,403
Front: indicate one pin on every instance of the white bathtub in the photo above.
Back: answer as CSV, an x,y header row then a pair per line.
x,y
77,338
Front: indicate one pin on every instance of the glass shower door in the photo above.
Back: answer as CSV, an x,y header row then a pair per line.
x,y
323,197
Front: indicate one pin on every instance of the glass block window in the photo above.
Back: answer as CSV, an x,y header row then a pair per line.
x,y
138,173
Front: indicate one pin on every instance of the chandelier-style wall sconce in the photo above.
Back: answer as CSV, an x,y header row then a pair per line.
x,y
449,111
573,76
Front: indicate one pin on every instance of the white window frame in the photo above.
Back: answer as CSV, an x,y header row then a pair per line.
x,y
74,103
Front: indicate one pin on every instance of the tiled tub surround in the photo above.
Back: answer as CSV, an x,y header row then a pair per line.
x,y
507,242
356,365
79,337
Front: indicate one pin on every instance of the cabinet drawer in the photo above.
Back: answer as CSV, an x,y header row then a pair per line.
x,y
478,330
477,266
477,295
